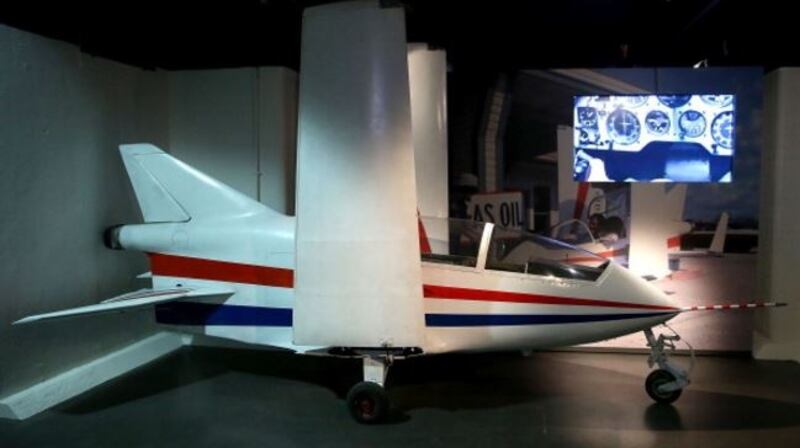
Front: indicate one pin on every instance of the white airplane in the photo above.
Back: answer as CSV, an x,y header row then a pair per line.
x,y
223,265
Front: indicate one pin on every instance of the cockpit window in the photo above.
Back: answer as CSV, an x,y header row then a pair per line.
x,y
523,252
450,241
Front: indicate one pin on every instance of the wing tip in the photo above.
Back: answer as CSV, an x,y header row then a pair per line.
x,y
139,149
25,320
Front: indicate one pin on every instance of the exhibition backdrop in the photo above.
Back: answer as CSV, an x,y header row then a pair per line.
x,y
545,99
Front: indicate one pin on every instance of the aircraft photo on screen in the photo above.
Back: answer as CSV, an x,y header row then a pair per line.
x,y
654,138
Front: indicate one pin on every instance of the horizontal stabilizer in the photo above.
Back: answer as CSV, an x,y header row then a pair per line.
x,y
130,301
732,306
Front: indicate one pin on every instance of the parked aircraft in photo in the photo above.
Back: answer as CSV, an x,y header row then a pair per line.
x,y
224,265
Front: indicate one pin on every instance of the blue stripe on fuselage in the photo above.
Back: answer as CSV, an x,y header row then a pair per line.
x,y
194,313
485,320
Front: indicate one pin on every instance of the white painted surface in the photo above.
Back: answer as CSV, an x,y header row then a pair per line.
x,y
212,124
62,114
74,382
130,301
181,186
156,204
427,77
718,240
777,333
615,284
648,233
358,278
427,72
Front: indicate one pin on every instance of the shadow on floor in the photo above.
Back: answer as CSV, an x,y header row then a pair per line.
x,y
547,390
197,364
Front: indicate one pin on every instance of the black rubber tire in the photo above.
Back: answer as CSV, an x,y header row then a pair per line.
x,y
368,402
656,379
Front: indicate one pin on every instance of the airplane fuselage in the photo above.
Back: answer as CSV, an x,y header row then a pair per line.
x,y
467,308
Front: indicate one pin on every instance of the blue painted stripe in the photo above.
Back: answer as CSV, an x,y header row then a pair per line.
x,y
194,313
480,320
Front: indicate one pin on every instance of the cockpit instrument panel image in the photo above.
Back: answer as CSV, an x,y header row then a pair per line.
x,y
654,138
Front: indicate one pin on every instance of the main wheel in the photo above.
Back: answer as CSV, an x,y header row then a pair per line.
x,y
368,402
656,379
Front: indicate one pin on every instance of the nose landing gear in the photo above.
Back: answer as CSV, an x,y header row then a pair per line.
x,y
665,384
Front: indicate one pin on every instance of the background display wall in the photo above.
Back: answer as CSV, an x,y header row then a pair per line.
x,y
543,104
62,184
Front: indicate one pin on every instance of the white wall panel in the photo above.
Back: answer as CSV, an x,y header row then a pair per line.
x,y
62,115
777,333
238,126
213,124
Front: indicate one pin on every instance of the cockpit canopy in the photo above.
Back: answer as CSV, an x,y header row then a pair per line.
x,y
461,242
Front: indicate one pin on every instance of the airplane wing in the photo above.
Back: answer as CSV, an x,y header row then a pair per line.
x,y
130,301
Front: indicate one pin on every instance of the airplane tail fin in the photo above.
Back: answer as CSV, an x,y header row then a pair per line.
x,y
720,234
675,202
732,306
169,190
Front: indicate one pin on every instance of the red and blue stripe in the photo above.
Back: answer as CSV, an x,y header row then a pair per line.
x,y
193,313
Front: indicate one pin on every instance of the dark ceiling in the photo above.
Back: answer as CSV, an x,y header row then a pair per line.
x,y
485,35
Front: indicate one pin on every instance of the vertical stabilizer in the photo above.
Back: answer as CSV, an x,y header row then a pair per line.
x,y
169,190
720,234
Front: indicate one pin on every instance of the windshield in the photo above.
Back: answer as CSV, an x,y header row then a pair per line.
x,y
450,241
524,252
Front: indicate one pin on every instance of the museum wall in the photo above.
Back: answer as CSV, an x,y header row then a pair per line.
x,y
777,335
63,183
239,126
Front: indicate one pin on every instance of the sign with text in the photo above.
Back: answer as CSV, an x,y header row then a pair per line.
x,y
505,209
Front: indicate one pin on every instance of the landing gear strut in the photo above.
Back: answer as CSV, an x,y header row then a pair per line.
x,y
368,401
665,384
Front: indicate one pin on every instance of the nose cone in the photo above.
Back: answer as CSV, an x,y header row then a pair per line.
x,y
634,289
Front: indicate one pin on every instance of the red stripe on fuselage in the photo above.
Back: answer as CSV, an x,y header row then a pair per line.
x,y
449,292
224,271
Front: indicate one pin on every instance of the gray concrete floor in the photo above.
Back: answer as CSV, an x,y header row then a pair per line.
x,y
238,398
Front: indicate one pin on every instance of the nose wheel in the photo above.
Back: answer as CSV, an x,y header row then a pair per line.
x,y
657,386
368,401
665,384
